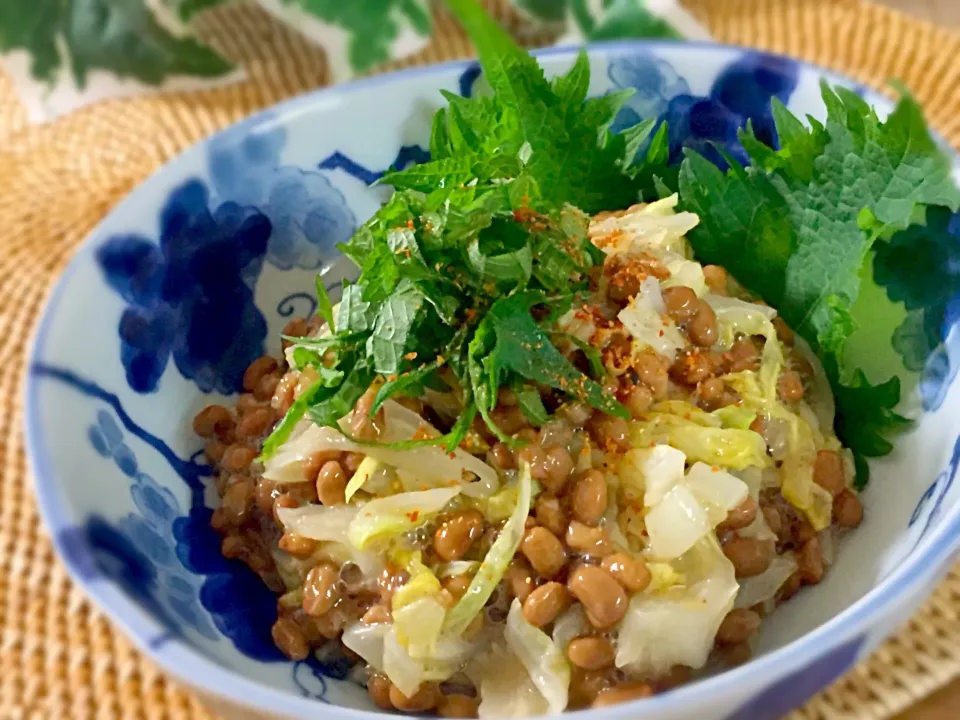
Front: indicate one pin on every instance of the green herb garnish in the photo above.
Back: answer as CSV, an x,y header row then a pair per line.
x,y
454,265
476,247
324,305
799,227
549,130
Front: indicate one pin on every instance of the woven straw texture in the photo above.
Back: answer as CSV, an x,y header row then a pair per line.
x,y
60,658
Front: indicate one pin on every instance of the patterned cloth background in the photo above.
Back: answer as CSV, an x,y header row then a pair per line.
x,y
64,55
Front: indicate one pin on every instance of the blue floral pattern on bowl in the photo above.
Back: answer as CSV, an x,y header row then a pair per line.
x,y
139,551
308,215
170,561
191,295
740,93
205,264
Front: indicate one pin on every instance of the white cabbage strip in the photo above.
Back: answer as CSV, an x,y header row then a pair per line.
x,y
430,466
644,318
677,626
652,228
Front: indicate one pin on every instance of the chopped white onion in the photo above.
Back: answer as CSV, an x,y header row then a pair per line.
x,y
418,626
393,515
718,491
730,307
505,688
828,544
655,471
318,522
819,394
649,292
652,228
544,662
650,328
403,671
676,523
683,272
571,624
577,323
367,642
776,433
329,525
368,466
677,626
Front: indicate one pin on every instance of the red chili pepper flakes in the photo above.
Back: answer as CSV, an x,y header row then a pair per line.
x,y
422,433
611,238
412,516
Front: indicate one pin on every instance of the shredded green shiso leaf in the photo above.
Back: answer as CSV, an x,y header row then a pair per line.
x,y
491,234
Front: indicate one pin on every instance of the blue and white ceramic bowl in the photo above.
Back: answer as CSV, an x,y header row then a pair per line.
x,y
194,275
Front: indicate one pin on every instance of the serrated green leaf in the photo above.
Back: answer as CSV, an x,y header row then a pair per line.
x,y
381,269
798,229
571,155
427,176
530,403
34,26
744,223
515,343
439,137
332,404
324,304
513,268
635,137
411,383
354,315
392,329
571,89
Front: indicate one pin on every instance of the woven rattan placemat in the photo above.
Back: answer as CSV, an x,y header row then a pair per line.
x,y
60,658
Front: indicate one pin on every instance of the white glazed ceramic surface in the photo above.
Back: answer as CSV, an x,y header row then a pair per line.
x,y
195,274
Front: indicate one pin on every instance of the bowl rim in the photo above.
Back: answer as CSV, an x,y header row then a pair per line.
x,y
927,561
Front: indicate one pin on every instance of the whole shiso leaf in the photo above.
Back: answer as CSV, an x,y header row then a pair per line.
x,y
551,129
800,226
